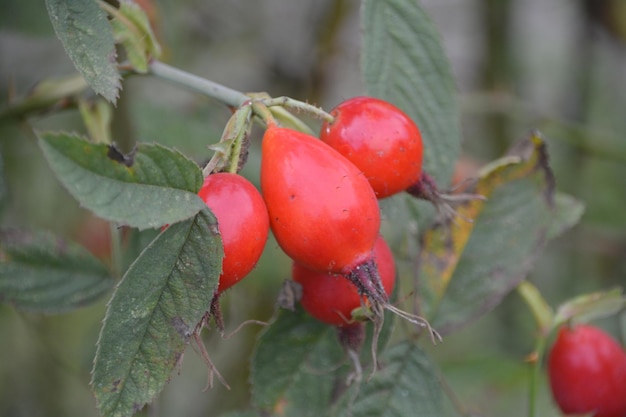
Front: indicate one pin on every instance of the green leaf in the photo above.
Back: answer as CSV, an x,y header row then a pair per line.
x,y
153,314
87,38
152,187
131,28
403,62
406,385
42,273
588,307
567,214
467,267
292,372
97,116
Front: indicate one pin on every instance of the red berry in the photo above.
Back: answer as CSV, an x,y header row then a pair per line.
x,y
587,372
242,221
322,210
380,139
331,298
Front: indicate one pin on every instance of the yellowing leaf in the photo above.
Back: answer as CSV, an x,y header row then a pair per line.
x,y
469,265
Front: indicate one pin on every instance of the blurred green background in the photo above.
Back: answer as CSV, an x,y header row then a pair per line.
x,y
554,65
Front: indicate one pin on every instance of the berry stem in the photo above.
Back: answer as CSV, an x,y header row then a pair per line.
x,y
261,110
543,314
289,120
544,317
535,375
299,106
226,95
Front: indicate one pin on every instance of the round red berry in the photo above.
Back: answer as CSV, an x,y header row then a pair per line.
x,y
331,298
242,221
587,372
380,139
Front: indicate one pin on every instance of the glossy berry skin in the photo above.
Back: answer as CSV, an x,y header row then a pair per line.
x,y
242,221
380,139
587,372
331,298
322,210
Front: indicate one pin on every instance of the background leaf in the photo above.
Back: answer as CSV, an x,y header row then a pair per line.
x,y
406,385
42,273
247,413
467,267
158,188
294,364
136,242
588,307
87,38
567,213
403,62
3,186
153,313
132,29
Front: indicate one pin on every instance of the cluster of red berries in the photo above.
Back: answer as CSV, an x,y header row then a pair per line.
x,y
587,372
320,199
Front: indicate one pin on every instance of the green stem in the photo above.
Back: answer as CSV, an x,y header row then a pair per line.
x,y
544,317
242,133
535,375
201,85
289,120
228,151
234,164
299,106
543,314
260,109
116,251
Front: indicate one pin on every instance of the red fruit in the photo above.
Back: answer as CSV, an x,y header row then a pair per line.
x,y
322,210
331,298
242,221
587,372
380,139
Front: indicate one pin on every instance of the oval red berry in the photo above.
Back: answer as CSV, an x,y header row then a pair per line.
x,y
322,210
